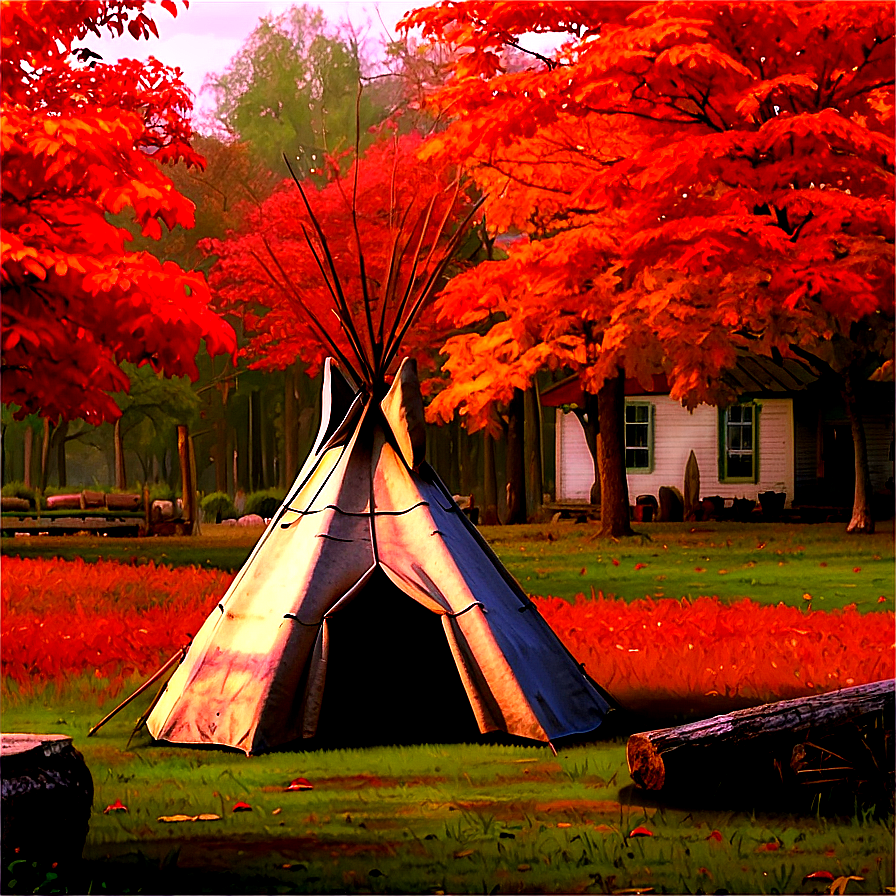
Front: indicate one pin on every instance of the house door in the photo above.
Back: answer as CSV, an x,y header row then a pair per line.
x,y
839,484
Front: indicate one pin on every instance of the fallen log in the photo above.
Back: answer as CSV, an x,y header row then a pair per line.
x,y
773,735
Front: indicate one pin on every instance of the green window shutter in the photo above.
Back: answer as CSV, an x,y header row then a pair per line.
x,y
757,409
722,424
652,441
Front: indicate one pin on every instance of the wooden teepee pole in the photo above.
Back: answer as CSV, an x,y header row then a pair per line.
x,y
148,683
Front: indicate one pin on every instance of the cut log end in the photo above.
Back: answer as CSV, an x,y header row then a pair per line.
x,y
645,765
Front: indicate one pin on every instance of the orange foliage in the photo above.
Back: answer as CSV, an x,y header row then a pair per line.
x,y
693,177
63,619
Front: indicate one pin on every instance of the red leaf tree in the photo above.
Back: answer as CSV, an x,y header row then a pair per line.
x,y
82,140
386,223
700,177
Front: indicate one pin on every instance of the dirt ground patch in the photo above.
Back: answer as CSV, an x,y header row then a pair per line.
x,y
218,852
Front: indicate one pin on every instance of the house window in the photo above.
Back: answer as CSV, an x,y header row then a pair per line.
x,y
739,443
638,437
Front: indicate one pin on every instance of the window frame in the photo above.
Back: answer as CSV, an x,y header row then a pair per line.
x,y
724,423
651,425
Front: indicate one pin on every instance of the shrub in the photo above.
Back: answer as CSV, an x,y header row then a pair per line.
x,y
217,506
20,490
265,504
161,491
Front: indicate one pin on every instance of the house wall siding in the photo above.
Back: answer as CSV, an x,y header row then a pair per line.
x,y
676,433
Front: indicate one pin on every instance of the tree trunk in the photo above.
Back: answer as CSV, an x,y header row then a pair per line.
x,y
221,455
28,475
59,438
589,418
289,469
490,482
256,459
862,520
187,458
121,478
532,452
720,748
614,507
45,455
516,466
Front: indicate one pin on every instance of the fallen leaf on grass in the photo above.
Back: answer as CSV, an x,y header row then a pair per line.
x,y
819,875
117,806
241,807
172,819
300,784
839,885
641,832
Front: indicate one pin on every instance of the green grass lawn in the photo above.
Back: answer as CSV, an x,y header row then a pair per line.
x,y
769,563
447,818
471,818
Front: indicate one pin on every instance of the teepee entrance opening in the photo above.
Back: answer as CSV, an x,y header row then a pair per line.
x,y
391,677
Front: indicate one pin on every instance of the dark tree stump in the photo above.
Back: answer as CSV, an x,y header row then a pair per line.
x,y
671,505
772,504
47,794
773,737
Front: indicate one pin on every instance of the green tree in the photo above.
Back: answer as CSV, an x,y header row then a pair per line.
x,y
150,413
293,89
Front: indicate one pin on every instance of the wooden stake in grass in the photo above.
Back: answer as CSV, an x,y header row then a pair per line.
x,y
175,660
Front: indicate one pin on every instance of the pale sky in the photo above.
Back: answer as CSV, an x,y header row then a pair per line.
x,y
206,36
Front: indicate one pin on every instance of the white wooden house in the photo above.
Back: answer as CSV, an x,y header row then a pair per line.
x,y
787,434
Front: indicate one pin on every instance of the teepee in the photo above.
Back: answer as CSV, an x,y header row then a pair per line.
x,y
371,609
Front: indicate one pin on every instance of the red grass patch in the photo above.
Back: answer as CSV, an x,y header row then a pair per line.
x,y
62,619
649,651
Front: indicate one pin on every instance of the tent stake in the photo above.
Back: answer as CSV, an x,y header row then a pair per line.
x,y
142,720
174,659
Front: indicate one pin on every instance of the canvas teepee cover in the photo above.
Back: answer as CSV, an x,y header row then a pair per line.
x,y
367,517
370,602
